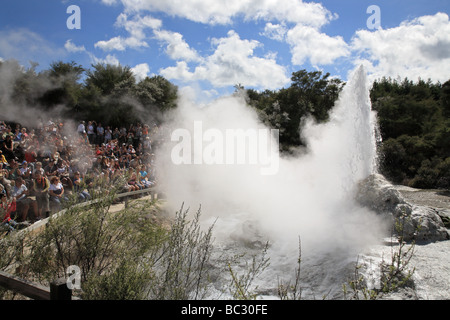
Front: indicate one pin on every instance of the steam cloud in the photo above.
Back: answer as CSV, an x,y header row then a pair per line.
x,y
310,197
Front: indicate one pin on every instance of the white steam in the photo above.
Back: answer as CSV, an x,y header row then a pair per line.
x,y
310,197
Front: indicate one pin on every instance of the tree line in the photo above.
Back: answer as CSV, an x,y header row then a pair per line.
x,y
414,120
104,93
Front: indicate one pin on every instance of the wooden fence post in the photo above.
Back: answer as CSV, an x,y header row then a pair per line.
x,y
59,290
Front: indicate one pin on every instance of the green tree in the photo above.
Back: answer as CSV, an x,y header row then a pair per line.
x,y
414,124
65,86
110,79
109,96
112,96
310,94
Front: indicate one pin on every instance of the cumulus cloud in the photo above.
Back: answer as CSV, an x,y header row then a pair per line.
x,y
110,2
275,31
178,72
141,71
223,12
135,28
71,47
416,48
177,48
233,62
116,43
419,47
308,43
24,45
109,59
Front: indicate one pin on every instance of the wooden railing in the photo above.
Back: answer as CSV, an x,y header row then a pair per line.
x,y
126,195
58,289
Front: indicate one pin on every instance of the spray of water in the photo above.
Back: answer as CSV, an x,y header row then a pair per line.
x,y
311,196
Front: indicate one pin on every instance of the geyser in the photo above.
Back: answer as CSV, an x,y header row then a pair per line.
x,y
311,196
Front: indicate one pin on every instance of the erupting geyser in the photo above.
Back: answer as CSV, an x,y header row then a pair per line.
x,y
311,196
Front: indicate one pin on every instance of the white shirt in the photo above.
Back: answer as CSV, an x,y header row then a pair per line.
x,y
54,187
18,191
81,128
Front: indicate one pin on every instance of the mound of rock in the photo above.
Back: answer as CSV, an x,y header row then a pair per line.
x,y
420,222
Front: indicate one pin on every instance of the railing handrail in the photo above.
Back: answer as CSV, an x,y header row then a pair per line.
x,y
44,221
58,289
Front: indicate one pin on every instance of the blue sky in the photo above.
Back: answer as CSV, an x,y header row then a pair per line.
x,y
207,46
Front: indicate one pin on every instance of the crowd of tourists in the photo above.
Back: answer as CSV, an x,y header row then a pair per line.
x,y
45,166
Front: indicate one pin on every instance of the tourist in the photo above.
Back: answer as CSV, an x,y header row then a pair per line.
x,y
25,171
41,186
13,170
144,177
91,132
8,147
116,134
108,135
7,208
38,168
132,183
81,128
79,187
56,192
100,134
20,193
51,169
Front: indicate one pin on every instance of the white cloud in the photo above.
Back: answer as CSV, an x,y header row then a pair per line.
x,y
416,48
177,48
275,31
233,62
71,47
179,72
420,47
228,64
310,44
141,71
110,2
223,12
110,59
120,44
135,28
25,45
195,93
137,25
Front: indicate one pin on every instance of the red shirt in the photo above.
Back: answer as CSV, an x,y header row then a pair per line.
x,y
9,208
29,157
